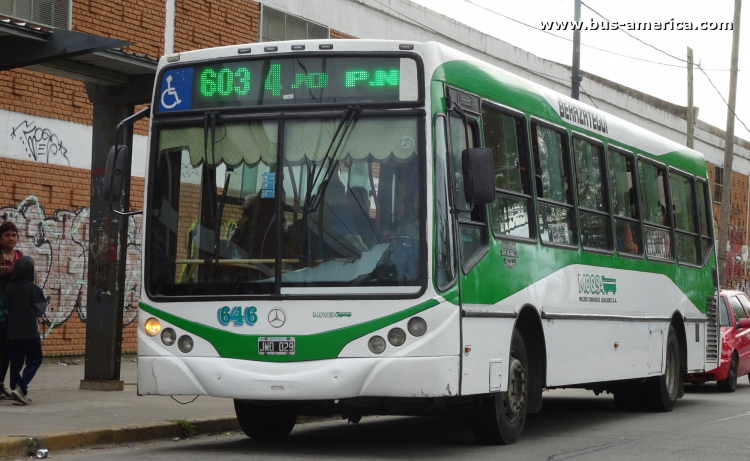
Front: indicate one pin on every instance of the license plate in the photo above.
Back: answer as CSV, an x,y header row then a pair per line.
x,y
276,346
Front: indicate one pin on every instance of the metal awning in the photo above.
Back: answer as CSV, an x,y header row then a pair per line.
x,y
74,55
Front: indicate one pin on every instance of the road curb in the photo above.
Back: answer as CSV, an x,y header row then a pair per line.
x,y
59,441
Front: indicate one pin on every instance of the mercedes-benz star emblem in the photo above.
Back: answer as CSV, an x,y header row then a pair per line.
x,y
276,318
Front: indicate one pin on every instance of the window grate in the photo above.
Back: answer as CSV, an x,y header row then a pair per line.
x,y
712,331
50,13
277,26
718,183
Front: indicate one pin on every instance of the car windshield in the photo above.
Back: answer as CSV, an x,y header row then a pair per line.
x,y
340,207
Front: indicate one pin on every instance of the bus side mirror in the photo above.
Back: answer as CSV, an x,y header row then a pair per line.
x,y
114,174
478,171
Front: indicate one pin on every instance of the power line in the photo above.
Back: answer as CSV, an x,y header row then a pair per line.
x,y
562,80
722,98
570,40
633,36
698,65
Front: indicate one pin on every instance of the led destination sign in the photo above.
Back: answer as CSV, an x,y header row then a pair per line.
x,y
290,81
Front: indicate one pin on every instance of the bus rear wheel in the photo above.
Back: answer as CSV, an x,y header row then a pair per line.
x,y
500,418
662,391
265,422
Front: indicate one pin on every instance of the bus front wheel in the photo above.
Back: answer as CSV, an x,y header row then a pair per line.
x,y
265,422
500,418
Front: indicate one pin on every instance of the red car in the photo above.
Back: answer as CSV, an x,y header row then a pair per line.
x,y
734,313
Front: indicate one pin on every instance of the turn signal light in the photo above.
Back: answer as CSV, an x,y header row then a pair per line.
x,y
152,327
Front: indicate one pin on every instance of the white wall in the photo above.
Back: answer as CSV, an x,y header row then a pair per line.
x,y
48,140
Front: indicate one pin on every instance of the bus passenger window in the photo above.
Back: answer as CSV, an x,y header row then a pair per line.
x,y
622,190
704,208
654,205
688,239
511,212
594,210
556,215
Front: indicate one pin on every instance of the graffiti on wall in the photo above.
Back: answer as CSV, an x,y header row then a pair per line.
x,y
58,243
41,144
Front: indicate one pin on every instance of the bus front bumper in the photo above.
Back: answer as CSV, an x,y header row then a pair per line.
x,y
339,378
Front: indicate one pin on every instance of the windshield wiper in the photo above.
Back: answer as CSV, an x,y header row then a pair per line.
x,y
349,117
311,204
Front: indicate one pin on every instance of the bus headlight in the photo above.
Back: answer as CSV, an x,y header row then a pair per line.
x,y
152,327
396,337
376,345
168,336
185,344
417,326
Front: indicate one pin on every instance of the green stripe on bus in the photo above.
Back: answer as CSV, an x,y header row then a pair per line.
x,y
317,346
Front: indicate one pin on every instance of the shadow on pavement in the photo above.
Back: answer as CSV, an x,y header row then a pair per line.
x,y
415,436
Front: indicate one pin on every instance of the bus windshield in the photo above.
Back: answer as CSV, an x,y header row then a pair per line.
x,y
327,208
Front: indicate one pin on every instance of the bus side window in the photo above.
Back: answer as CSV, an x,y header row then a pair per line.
x,y
472,230
622,190
657,226
704,211
445,267
592,203
685,220
552,175
511,214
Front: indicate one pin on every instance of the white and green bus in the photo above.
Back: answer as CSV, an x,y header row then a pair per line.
x,y
360,227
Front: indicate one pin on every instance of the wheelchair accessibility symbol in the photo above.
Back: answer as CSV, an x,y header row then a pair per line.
x,y
170,91
176,86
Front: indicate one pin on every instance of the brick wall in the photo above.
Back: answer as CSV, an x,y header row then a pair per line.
x,y
50,206
205,24
138,21
738,271
337,34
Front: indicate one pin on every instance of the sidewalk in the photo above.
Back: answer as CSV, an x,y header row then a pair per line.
x,y
59,405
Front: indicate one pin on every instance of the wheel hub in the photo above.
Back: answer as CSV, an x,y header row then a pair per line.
x,y
515,398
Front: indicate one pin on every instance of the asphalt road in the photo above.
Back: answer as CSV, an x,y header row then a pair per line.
x,y
573,424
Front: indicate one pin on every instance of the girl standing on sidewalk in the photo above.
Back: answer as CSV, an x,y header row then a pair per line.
x,y
8,241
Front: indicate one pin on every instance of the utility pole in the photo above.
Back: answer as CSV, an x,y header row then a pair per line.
x,y
690,110
726,182
576,52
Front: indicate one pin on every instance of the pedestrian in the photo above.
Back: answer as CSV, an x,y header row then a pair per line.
x,y
8,241
25,302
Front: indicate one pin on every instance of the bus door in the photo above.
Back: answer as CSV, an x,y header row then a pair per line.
x,y
470,224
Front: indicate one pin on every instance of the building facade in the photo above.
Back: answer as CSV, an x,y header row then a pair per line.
x,y
45,123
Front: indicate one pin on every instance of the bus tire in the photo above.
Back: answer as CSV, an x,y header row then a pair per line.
x,y
265,422
662,391
729,384
500,418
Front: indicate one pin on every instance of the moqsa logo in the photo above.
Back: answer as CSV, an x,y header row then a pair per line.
x,y
596,284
